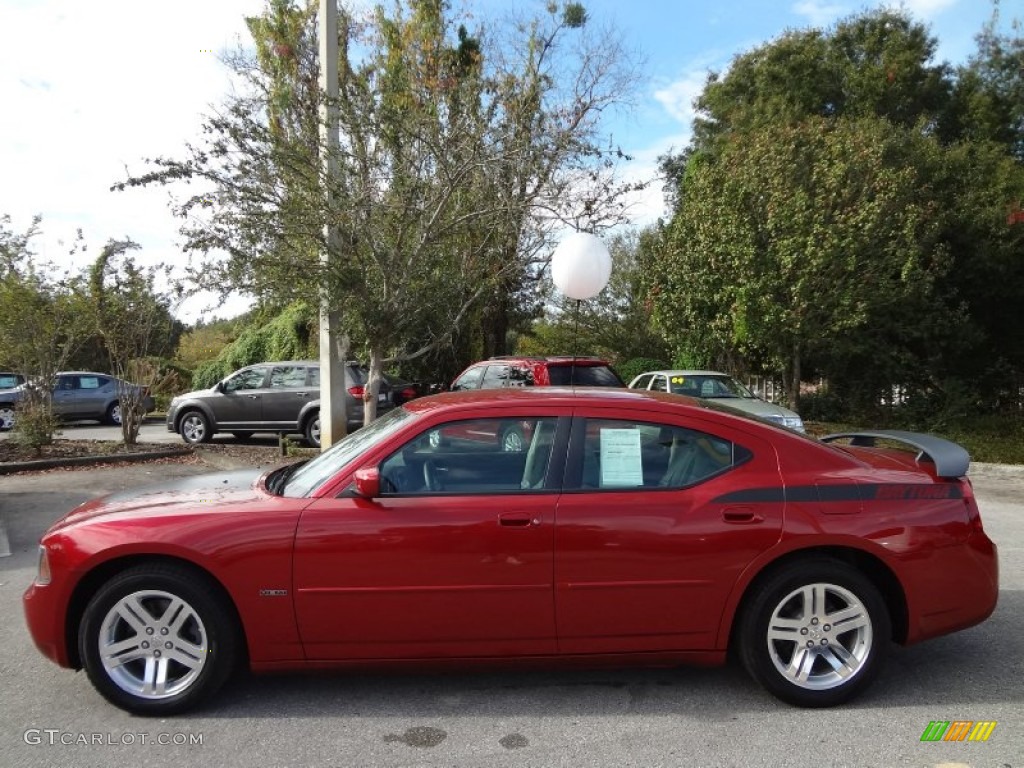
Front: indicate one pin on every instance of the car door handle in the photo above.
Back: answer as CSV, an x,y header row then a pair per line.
x,y
302,394
518,519
253,397
741,515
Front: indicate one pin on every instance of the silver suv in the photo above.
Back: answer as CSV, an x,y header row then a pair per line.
x,y
281,397
78,396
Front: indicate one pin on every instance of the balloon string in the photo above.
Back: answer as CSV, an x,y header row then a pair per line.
x,y
575,344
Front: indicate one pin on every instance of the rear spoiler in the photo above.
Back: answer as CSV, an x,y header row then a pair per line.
x,y
950,459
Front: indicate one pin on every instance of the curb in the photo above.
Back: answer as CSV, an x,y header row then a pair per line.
x,y
83,461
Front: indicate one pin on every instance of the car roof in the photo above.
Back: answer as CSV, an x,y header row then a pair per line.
x,y
551,359
555,396
687,372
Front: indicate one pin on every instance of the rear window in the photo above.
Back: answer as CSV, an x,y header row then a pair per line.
x,y
583,376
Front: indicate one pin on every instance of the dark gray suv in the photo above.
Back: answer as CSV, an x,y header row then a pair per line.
x,y
282,397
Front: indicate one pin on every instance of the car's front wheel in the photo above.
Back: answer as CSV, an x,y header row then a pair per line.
x,y
194,428
815,633
157,639
113,416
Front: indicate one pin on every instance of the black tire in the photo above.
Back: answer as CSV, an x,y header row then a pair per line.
x,y
113,414
194,427
311,431
825,663
197,646
242,435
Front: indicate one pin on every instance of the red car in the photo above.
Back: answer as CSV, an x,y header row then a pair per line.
x,y
633,527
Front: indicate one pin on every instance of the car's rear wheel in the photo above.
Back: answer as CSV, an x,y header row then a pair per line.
x,y
312,430
6,416
114,414
194,428
815,633
157,640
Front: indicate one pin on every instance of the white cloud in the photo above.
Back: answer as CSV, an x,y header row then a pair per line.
x,y
677,97
819,13
93,88
925,9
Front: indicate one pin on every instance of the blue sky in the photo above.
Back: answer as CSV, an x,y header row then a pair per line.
x,y
89,89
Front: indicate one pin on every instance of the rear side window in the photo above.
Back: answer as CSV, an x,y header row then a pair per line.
x,y
7,381
623,455
469,380
583,376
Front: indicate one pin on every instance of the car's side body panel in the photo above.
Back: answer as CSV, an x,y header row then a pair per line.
x,y
562,568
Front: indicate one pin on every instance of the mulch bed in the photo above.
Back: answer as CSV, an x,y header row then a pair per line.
x,y
255,455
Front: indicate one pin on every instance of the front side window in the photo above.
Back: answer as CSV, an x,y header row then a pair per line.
x,y
250,378
623,455
473,456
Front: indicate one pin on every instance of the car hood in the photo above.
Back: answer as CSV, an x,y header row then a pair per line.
x,y
208,493
757,407
194,393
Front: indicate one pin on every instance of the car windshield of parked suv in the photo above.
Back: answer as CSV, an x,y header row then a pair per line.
x,y
583,376
708,386
304,480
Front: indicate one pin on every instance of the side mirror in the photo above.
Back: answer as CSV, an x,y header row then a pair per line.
x,y
368,482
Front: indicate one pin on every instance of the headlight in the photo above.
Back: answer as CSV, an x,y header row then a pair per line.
x,y
43,567
794,422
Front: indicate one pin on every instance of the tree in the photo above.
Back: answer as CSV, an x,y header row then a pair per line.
x,y
42,324
133,321
444,165
796,236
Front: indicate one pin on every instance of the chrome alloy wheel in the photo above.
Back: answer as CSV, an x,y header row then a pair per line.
x,y
153,644
819,636
6,416
193,428
115,414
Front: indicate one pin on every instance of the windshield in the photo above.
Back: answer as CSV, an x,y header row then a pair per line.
x,y
320,469
708,386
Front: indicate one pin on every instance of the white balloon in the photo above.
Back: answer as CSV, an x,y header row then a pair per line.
x,y
581,266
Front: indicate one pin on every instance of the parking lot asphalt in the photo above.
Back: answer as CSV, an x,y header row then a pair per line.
x,y
634,717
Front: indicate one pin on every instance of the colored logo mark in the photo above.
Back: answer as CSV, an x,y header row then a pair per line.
x,y
958,730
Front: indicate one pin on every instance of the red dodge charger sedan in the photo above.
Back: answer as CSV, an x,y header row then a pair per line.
x,y
632,527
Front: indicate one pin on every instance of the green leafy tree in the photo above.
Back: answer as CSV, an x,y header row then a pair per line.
x,y
42,324
795,238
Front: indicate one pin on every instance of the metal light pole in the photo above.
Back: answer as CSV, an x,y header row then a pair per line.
x,y
332,364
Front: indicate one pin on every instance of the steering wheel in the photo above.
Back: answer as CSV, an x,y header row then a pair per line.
x,y
430,476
